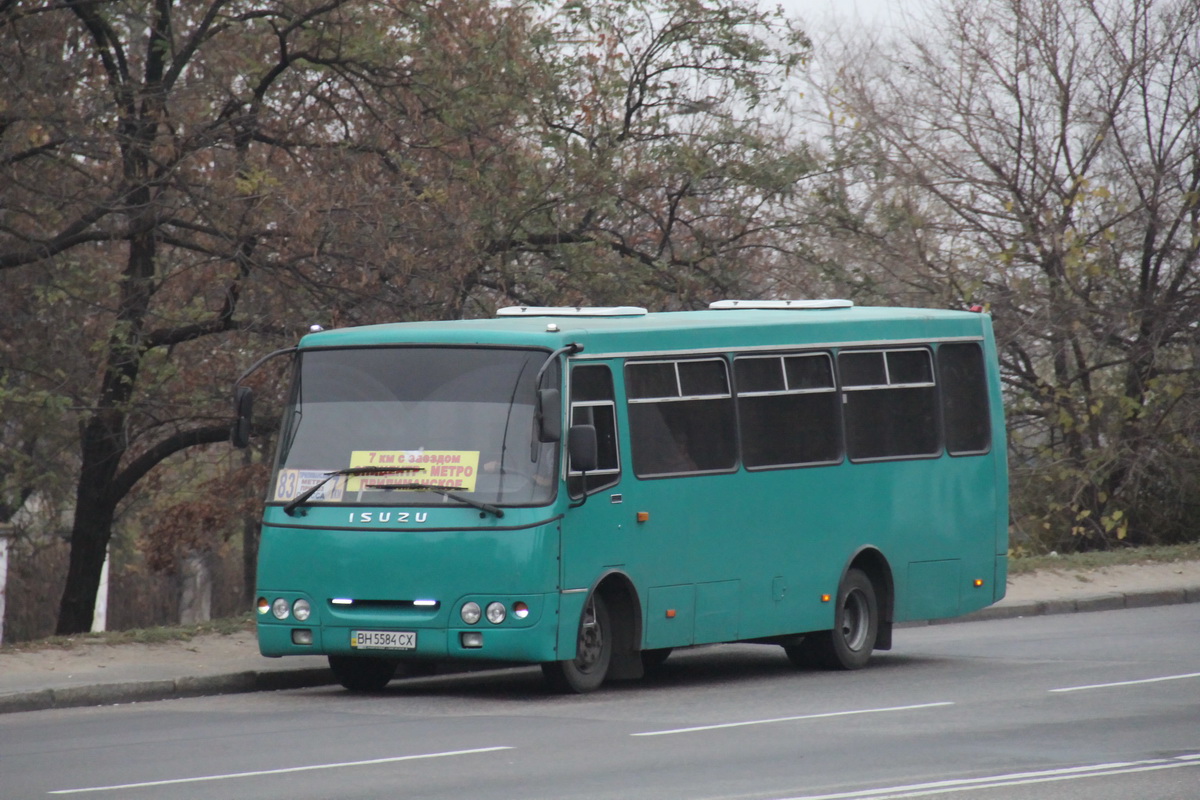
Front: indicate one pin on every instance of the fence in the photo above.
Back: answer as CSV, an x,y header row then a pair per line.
x,y
137,597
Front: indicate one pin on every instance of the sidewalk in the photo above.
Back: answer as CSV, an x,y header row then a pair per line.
x,y
99,674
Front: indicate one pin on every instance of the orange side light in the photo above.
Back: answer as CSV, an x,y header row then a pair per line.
x,y
978,582
643,516
825,598
670,613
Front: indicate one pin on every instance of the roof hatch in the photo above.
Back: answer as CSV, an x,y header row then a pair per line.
x,y
802,305
570,311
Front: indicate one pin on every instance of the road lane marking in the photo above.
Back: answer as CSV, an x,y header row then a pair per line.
x,y
918,790
791,719
1128,683
285,771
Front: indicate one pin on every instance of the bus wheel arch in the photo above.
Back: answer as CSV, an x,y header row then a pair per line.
x,y
849,643
607,641
862,618
875,566
626,611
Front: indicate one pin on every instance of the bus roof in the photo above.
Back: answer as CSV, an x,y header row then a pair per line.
x,y
630,330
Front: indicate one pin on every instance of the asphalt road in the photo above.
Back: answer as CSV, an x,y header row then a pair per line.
x,y
1099,706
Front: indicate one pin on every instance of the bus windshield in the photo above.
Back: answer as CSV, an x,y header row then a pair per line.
x,y
451,421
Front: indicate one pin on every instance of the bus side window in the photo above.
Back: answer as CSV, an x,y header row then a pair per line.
x,y
593,403
965,413
787,410
890,403
681,417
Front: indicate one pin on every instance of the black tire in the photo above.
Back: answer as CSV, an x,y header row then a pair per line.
x,y
856,626
362,674
653,659
593,653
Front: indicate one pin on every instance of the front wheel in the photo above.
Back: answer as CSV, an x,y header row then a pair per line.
x,y
856,626
593,653
362,674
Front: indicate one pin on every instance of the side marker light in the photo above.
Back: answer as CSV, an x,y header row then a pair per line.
x,y
978,582
825,598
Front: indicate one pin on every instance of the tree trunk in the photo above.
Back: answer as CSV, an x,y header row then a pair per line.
x,y
251,526
103,442
89,544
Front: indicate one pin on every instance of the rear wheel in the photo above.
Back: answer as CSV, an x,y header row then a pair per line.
x,y
856,626
361,674
593,653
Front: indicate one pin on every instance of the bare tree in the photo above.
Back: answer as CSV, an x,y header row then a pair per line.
x,y
1042,157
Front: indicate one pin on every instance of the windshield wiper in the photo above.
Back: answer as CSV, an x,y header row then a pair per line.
x,y
444,492
304,496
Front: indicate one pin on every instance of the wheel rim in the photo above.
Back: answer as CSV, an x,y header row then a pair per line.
x,y
591,640
855,619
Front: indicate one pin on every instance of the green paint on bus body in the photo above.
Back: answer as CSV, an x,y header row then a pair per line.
x,y
720,552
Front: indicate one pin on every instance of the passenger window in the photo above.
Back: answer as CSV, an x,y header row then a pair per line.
x,y
965,412
681,417
890,403
787,410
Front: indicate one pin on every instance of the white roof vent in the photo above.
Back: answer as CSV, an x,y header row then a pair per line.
x,y
792,304
570,311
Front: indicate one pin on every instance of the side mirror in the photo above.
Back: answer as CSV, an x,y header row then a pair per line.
x,y
549,415
243,405
582,448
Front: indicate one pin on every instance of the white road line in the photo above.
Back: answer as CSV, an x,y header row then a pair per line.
x,y
917,790
1128,683
285,771
790,719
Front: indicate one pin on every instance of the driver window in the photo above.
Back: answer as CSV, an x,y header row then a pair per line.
x,y
592,403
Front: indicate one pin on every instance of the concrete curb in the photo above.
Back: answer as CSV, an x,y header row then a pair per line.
x,y
1107,601
103,694
272,680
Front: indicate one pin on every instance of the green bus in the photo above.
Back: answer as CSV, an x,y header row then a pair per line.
x,y
590,488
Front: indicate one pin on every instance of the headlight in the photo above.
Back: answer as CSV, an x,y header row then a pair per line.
x,y
470,613
496,612
280,608
301,610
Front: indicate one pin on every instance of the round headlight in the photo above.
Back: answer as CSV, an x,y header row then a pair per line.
x,y
470,613
496,612
280,608
301,609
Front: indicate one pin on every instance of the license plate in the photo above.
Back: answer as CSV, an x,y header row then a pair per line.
x,y
383,640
